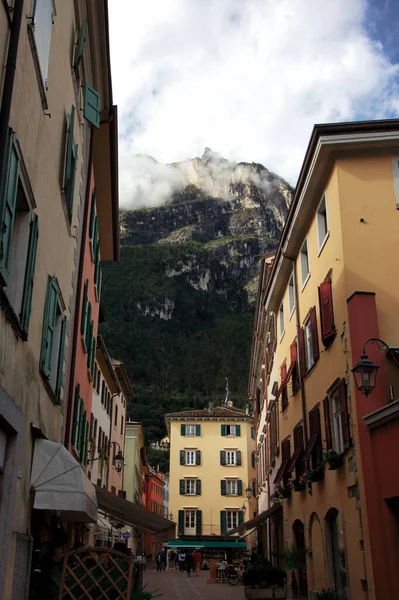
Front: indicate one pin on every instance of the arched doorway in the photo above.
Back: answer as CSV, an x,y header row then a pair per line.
x,y
299,541
317,578
336,551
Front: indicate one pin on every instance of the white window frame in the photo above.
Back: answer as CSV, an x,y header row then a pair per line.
x,y
190,487
190,430
231,487
336,422
231,519
304,261
231,431
190,457
281,320
189,521
291,295
231,457
309,345
322,220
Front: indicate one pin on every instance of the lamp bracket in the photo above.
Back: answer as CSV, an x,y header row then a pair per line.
x,y
392,352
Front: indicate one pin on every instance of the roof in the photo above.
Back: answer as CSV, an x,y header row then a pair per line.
x,y
211,413
123,378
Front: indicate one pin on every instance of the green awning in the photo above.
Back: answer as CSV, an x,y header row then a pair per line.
x,y
223,544
184,544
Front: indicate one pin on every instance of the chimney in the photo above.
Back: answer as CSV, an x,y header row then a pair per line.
x,y
210,409
230,403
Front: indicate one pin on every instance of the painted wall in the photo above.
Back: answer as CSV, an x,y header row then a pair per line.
x,y
118,423
98,469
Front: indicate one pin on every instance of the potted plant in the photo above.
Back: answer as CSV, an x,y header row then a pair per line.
x,y
295,559
327,594
299,484
316,474
333,459
262,581
281,492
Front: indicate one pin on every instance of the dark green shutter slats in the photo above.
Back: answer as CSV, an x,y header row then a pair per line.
x,y
29,274
82,429
70,146
92,213
76,416
223,524
85,439
92,354
239,487
223,430
89,343
80,44
60,366
198,430
222,457
71,188
198,457
83,323
198,487
238,457
88,332
91,109
182,487
49,318
180,528
238,430
8,199
240,518
223,487
182,429
198,522
182,457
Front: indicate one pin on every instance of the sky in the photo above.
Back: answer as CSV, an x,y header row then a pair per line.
x,y
247,78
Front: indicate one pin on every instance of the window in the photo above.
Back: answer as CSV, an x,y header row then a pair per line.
x,y
281,319
41,24
309,342
309,345
122,425
53,338
304,262
80,429
291,294
70,165
190,486
326,312
116,416
322,223
338,441
230,457
190,457
190,429
232,519
230,430
232,487
336,418
189,522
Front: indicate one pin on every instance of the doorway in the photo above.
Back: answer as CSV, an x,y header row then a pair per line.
x,y
299,540
336,549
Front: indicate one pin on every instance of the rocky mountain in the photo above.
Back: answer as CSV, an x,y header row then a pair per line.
x,y
179,305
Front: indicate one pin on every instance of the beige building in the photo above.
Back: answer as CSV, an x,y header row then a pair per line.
x,y
211,465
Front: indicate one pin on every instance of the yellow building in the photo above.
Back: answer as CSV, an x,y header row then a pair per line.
x,y
331,286
211,465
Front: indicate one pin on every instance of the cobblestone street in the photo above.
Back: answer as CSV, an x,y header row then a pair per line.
x,y
174,585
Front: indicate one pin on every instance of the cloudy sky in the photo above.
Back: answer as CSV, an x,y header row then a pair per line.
x,y
247,78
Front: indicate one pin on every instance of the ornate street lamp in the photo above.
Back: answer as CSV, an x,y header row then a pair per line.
x,y
248,492
365,371
118,459
243,509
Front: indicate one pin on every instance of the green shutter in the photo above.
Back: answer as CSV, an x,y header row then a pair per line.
x,y
182,429
198,487
222,457
223,490
223,524
180,527
91,109
29,275
8,199
71,183
58,383
182,457
239,487
198,457
90,344
95,239
182,487
92,213
198,430
198,522
76,416
82,429
238,457
49,319
88,332
223,430
240,518
83,323
99,279
80,44
85,440
238,430
92,354
70,147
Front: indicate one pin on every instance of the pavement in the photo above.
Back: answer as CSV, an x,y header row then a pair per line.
x,y
174,585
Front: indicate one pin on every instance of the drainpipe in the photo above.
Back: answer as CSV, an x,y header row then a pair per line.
x,y
9,76
298,327
75,333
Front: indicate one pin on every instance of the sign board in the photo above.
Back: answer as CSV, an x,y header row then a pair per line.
x,y
126,535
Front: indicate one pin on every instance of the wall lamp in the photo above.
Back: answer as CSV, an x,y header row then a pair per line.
x,y
118,458
365,371
249,492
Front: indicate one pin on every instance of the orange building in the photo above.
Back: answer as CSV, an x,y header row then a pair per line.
x,y
154,498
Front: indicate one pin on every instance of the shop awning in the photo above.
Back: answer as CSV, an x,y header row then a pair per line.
x,y
130,514
253,523
60,484
247,533
225,544
184,544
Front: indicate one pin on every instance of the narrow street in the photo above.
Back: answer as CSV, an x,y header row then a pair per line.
x,y
174,585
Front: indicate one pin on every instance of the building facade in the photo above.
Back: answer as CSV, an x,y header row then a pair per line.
x,y
134,476
325,294
154,503
211,465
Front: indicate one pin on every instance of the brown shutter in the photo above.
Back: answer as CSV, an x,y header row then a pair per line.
x,y
315,337
344,415
283,372
285,450
280,473
293,352
273,434
327,422
301,351
284,394
298,437
326,310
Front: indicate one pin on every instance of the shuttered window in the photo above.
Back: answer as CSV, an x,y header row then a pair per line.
x,y
8,200
29,275
91,110
294,367
80,44
299,448
70,164
315,431
198,522
309,352
326,312
336,419
284,390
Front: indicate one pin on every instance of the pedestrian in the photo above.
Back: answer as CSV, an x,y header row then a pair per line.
x,y
189,563
173,560
163,559
197,558
158,561
143,560
182,561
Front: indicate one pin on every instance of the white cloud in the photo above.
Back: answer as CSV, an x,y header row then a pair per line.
x,y
248,78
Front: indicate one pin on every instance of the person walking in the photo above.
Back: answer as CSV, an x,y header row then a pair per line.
x,y
197,558
163,559
158,561
189,563
182,561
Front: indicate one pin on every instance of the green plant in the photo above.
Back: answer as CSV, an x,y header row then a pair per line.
x,y
317,473
327,594
262,574
333,459
295,556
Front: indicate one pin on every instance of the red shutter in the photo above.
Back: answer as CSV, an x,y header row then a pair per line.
x,y
314,421
327,422
293,352
344,415
326,311
301,348
283,372
315,337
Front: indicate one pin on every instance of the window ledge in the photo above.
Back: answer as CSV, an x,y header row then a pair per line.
x,y
42,89
305,282
323,243
11,315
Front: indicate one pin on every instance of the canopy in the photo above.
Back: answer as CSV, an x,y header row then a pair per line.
x,y
183,544
247,533
225,544
130,514
60,484
206,544
252,523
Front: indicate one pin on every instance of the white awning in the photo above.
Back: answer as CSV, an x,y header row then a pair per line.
x,y
59,483
241,537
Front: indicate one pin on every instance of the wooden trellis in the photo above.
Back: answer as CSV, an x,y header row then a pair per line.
x,y
96,574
